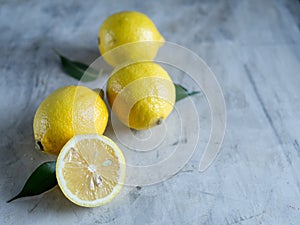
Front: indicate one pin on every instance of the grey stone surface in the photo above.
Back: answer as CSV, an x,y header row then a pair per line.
x,y
253,47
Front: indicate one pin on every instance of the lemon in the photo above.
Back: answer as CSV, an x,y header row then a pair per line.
x,y
68,111
90,170
141,95
128,27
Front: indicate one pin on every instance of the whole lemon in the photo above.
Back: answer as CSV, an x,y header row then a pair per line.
x,y
141,95
128,27
66,112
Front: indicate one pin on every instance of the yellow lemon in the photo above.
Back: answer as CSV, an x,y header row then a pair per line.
x,y
124,28
141,95
68,111
90,170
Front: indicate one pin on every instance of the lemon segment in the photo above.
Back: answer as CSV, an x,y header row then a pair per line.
x,y
90,170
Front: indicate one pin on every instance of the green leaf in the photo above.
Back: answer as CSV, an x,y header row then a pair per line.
x,y
78,69
41,180
182,92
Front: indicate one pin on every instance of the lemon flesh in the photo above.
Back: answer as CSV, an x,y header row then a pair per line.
x,y
90,170
127,27
66,112
141,95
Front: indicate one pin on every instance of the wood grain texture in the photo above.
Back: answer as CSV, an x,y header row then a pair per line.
x,y
253,47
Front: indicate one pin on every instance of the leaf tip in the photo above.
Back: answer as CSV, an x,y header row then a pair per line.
x,y
194,93
12,199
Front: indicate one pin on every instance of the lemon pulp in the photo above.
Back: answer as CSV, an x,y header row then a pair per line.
x,y
90,170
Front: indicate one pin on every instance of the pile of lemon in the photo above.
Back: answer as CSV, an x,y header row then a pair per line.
x,y
70,122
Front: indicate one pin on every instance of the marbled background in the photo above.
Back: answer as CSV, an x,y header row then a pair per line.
x,y
253,47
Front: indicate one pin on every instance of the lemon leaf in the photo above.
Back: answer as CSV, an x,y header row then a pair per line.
x,y
41,180
78,69
182,92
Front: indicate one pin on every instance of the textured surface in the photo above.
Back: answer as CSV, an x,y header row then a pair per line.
x,y
254,49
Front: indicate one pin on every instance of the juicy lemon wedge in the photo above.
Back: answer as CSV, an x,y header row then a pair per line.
x,y
90,170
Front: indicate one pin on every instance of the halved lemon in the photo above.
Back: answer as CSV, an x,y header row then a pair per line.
x,y
90,170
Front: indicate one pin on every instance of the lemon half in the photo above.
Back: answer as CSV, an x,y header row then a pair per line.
x,y
90,170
